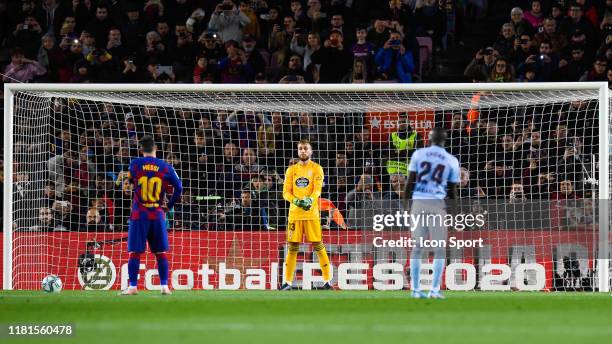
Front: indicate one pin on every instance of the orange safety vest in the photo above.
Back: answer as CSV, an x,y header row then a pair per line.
x,y
325,204
473,114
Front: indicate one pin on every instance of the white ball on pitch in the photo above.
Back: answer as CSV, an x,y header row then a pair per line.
x,y
52,284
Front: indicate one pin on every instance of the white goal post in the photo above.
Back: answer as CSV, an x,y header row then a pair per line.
x,y
27,259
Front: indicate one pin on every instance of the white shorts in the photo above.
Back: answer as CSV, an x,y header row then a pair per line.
x,y
431,223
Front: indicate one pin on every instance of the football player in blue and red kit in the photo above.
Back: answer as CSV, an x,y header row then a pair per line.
x,y
152,178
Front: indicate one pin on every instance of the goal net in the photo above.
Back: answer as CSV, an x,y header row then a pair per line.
x,y
532,213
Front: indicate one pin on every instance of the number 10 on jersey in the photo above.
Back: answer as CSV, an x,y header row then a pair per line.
x,y
150,188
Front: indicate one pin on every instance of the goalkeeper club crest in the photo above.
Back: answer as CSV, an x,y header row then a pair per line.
x,y
96,272
302,182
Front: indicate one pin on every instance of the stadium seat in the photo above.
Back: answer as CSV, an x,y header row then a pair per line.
x,y
425,53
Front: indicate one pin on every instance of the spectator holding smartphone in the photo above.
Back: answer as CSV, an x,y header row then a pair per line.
x,y
337,23
27,36
195,23
154,49
267,23
21,68
228,21
379,34
522,49
334,58
130,72
482,64
103,66
393,61
114,45
281,36
545,62
210,45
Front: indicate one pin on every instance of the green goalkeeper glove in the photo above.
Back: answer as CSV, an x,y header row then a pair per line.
x,y
307,202
298,202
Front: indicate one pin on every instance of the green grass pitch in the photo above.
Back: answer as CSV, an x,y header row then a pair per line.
x,y
328,317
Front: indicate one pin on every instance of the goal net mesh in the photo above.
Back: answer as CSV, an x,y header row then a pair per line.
x,y
528,167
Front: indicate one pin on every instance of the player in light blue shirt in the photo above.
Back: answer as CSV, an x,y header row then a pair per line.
x,y
433,174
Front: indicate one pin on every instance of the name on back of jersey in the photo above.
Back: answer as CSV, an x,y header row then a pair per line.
x,y
436,154
150,167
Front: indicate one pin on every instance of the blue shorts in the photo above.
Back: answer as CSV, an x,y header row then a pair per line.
x,y
142,231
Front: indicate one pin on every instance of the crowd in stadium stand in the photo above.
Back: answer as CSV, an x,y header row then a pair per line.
x,y
294,41
510,155
549,41
289,41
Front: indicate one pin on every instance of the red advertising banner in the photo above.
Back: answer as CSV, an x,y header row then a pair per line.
x,y
253,260
382,124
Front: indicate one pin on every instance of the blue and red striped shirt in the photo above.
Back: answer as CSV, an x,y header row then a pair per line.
x,y
152,178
